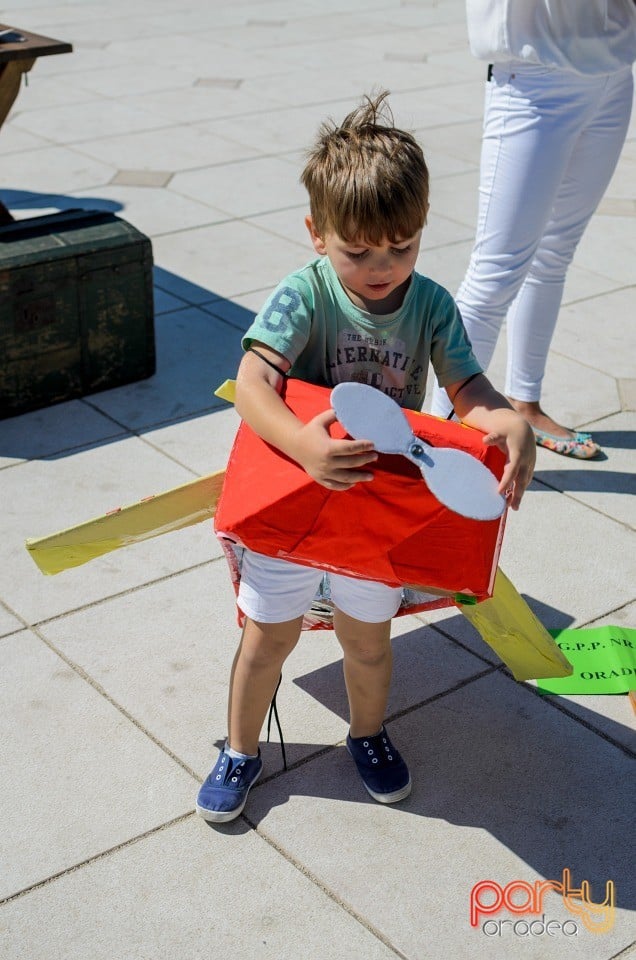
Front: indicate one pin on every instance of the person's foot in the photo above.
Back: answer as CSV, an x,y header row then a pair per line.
x,y
539,420
224,793
384,773
553,436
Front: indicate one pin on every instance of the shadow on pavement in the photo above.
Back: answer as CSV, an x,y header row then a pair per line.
x,y
495,755
587,481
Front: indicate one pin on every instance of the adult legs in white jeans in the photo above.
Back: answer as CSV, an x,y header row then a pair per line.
x,y
550,146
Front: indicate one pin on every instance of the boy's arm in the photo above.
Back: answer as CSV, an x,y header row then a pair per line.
x,y
478,404
335,464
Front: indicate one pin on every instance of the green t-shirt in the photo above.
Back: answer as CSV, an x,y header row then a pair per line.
x,y
310,320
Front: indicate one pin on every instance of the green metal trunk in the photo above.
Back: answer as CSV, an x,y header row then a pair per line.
x,y
76,308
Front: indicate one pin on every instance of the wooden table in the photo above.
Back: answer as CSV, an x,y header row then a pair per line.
x,y
16,59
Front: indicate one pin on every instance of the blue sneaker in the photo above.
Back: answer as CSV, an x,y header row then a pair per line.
x,y
383,771
224,793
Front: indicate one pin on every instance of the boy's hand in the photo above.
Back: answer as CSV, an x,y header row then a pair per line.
x,y
335,464
515,438
478,404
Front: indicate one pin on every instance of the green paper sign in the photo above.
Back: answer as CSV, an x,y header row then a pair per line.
x,y
603,658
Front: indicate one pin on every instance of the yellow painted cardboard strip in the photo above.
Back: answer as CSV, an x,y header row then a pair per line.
x,y
509,626
227,391
174,509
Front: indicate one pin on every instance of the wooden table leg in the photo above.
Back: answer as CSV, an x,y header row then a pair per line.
x,y
10,79
5,215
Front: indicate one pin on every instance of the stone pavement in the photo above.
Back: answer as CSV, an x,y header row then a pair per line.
x,y
189,121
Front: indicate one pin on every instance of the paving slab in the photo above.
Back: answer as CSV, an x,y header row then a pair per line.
x,y
154,77
268,32
421,43
289,224
52,430
201,103
460,140
345,81
486,804
243,189
195,353
8,622
152,210
578,326
605,246
277,130
165,302
581,284
250,261
57,169
200,49
72,123
608,486
202,444
181,147
448,264
52,92
171,895
14,140
84,777
185,291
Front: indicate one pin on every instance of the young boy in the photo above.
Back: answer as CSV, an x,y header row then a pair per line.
x,y
359,312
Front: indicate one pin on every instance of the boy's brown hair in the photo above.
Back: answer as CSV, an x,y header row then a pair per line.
x,y
367,179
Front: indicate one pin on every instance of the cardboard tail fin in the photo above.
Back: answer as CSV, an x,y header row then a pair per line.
x,y
508,625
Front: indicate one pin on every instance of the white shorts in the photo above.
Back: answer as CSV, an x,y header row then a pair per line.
x,y
274,591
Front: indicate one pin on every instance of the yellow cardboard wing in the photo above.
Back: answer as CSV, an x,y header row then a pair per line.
x,y
174,509
509,626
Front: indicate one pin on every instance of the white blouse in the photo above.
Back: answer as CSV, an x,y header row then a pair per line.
x,y
587,36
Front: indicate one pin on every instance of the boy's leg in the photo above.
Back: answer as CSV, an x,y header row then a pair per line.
x,y
263,649
270,591
274,595
255,672
367,665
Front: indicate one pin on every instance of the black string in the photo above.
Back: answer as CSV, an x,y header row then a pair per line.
x,y
269,363
274,709
464,384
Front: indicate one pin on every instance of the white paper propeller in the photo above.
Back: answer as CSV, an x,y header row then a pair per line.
x,y
458,480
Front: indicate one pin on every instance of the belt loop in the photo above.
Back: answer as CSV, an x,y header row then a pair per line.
x,y
489,74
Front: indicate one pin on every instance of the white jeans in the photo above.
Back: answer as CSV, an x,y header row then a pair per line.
x,y
550,145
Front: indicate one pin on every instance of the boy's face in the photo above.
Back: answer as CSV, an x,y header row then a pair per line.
x,y
375,278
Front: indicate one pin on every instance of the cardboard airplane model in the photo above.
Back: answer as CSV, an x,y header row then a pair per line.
x,y
431,521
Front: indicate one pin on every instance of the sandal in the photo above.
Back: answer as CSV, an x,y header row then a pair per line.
x,y
580,446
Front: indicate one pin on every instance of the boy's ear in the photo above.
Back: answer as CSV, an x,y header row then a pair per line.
x,y
318,242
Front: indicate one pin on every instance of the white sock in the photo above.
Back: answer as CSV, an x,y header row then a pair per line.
x,y
239,756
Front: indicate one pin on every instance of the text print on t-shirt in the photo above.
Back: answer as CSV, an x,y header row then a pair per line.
x,y
379,361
